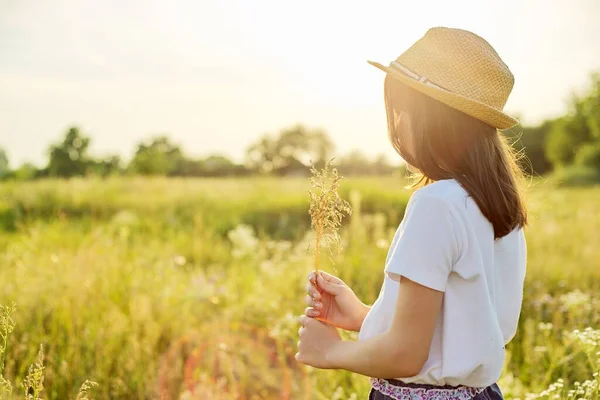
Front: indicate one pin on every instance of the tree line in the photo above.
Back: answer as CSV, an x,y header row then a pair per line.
x,y
570,142
287,153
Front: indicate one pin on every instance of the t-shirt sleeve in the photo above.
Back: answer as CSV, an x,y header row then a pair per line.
x,y
427,245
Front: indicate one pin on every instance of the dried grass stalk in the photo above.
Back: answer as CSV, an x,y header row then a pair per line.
x,y
326,210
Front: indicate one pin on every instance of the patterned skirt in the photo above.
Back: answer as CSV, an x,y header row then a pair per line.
x,y
391,389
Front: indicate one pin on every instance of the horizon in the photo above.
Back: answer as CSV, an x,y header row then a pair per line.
x,y
212,73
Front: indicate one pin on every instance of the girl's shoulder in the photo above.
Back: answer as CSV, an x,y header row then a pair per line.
x,y
447,191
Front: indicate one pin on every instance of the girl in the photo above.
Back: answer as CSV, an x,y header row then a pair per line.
x,y
453,283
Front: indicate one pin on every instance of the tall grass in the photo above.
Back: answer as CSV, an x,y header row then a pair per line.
x,y
187,289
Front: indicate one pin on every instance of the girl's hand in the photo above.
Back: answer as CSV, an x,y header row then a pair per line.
x,y
317,340
332,301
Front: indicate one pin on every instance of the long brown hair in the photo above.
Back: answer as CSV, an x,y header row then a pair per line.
x,y
448,144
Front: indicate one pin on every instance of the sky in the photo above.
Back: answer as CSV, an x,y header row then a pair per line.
x,y
215,75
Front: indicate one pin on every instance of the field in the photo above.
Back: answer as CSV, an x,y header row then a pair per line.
x,y
188,289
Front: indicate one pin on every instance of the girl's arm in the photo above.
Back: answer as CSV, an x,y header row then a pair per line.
x,y
400,352
429,242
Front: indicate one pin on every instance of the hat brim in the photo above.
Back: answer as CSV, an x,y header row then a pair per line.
x,y
474,108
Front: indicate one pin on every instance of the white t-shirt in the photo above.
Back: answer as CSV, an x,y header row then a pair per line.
x,y
445,243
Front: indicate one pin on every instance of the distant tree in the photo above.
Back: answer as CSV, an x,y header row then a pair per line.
x,y
531,142
107,166
354,163
189,167
299,145
157,157
262,156
588,155
579,127
564,139
290,152
26,172
321,146
381,166
293,143
217,165
4,165
69,158
292,167
591,106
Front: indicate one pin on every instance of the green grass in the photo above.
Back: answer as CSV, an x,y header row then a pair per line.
x,y
275,207
180,288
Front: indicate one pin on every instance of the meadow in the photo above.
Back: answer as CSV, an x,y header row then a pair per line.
x,y
189,288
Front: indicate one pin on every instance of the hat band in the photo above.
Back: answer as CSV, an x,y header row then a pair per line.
x,y
414,75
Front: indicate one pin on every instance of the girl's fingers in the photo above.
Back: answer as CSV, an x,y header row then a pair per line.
x,y
308,300
330,278
312,291
311,312
314,278
313,303
302,320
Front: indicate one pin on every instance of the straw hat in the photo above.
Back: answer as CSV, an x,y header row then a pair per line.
x,y
459,69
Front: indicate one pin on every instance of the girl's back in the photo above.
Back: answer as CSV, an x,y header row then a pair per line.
x,y
482,280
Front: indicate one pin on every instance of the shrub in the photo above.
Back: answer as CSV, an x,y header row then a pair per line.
x,y
577,176
589,156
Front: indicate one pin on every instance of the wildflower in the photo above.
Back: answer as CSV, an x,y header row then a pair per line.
x,y
244,241
284,327
576,300
545,326
179,261
84,389
382,243
589,338
33,384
